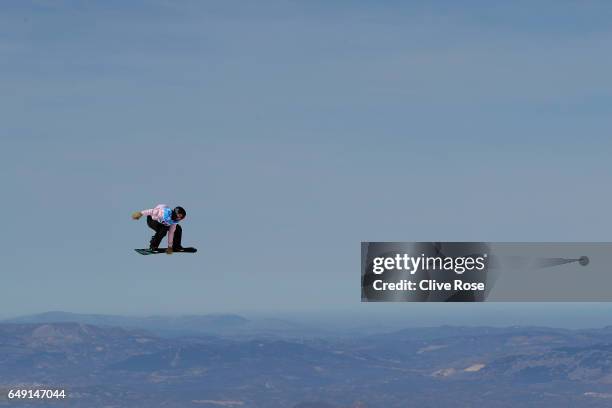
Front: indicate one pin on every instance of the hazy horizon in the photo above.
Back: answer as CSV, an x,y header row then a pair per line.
x,y
552,315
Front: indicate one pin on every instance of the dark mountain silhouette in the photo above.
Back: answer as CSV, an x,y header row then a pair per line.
x,y
173,326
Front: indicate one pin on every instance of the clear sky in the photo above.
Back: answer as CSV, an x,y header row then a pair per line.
x,y
290,131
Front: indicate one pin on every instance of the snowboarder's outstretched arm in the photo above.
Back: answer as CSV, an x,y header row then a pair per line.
x,y
152,212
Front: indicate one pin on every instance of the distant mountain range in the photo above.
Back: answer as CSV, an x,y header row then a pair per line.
x,y
103,365
209,324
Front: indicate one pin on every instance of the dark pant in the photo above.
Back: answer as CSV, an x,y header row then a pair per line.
x,y
160,232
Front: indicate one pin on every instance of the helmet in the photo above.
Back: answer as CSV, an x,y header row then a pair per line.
x,y
177,211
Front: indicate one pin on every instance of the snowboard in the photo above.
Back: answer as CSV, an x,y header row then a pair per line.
x,y
147,251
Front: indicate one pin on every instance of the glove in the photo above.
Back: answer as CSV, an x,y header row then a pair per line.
x,y
169,251
136,215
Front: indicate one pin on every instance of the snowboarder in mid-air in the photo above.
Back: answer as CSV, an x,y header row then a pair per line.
x,y
164,220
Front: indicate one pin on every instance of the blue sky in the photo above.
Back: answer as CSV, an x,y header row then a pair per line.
x,y
290,131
